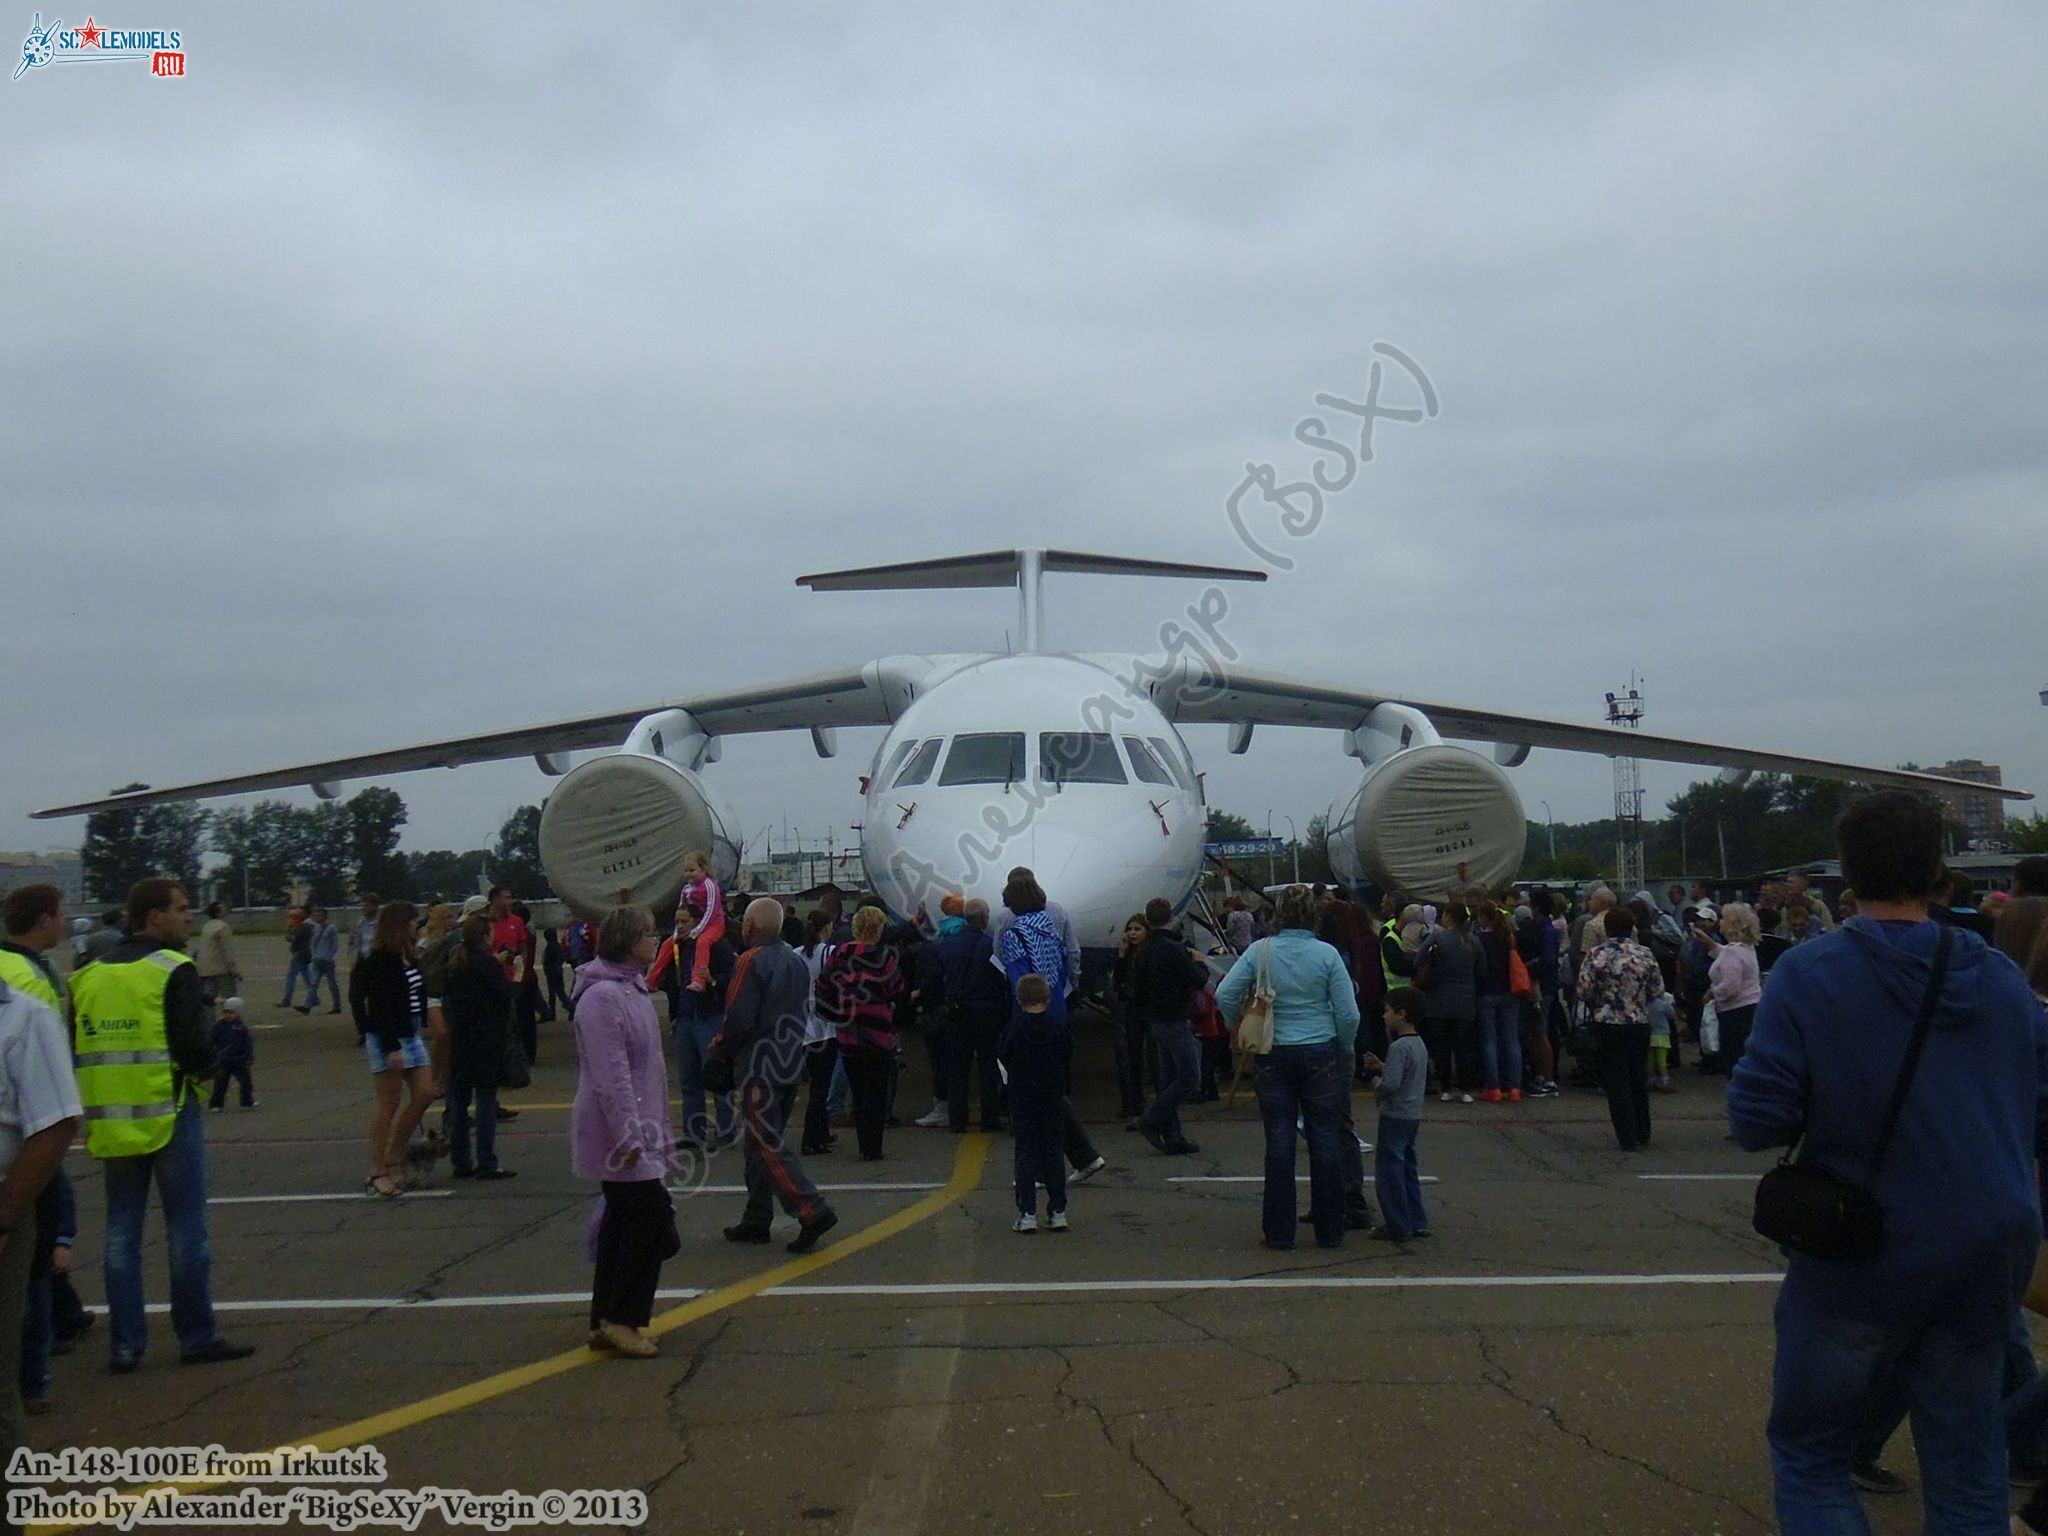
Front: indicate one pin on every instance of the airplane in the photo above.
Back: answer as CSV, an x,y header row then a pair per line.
x,y
1070,763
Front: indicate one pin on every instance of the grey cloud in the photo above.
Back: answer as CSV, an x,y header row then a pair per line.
x,y
380,378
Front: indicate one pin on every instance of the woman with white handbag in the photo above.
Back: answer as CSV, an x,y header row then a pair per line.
x,y
1294,1009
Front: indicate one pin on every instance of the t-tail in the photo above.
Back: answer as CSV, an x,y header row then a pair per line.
x,y
1023,568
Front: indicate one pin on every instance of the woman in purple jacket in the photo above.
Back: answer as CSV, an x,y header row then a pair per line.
x,y
619,1130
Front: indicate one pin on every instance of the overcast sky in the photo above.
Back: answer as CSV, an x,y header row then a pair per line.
x,y
405,372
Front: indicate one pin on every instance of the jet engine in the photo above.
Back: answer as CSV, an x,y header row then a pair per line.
x,y
1419,814
616,830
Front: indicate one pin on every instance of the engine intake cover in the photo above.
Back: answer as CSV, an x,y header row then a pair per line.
x,y
622,824
1421,812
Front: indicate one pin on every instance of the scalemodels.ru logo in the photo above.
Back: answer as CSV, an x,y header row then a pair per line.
x,y
95,44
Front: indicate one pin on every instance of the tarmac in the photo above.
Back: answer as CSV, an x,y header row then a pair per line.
x,y
1583,1344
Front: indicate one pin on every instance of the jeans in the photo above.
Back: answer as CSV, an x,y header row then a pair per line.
x,y
179,1167
1830,1379
1396,1174
461,1090
317,972
1038,1121
1180,1074
1625,1074
632,1241
773,1172
972,1039
693,1045
1500,1041
1305,1083
300,967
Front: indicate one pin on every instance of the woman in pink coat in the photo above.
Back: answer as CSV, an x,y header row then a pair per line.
x,y
619,1130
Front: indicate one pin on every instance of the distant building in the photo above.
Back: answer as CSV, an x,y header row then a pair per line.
x,y
1981,816
62,870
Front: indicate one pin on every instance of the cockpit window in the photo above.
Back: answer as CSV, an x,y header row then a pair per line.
x,y
1079,757
920,766
1172,760
903,750
1144,764
985,757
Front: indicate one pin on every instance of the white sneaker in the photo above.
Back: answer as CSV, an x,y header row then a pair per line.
x,y
1081,1175
934,1117
1028,1224
1466,1098
1056,1222
1443,1098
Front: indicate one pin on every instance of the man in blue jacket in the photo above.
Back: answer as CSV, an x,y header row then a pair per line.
x,y
1926,1320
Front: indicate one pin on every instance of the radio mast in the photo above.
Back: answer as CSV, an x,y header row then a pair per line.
x,y
1626,709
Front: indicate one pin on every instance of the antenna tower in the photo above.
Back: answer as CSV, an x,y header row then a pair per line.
x,y
1626,709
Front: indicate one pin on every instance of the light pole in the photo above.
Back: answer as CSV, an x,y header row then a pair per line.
x,y
1550,827
1272,869
1296,841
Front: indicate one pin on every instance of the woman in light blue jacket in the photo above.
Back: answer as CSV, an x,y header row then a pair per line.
x,y
1315,1022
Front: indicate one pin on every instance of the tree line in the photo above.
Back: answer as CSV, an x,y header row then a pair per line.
x,y
337,847
340,847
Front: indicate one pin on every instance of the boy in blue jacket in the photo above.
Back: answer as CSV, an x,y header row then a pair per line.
x,y
1927,1319
234,1054
1034,1054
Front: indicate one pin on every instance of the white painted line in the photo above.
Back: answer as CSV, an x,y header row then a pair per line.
x,y
1257,1178
1699,1178
413,1194
1276,1283
1310,1282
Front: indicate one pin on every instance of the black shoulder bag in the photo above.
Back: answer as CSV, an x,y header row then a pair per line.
x,y
1813,1211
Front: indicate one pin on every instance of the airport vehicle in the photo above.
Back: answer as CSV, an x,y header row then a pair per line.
x,y
1071,763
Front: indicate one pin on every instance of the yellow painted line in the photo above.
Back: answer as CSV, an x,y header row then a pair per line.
x,y
508,1104
967,1168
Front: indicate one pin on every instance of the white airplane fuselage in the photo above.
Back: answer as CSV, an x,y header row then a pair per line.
x,y
1047,761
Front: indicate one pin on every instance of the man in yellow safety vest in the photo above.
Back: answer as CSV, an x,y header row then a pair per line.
x,y
142,1043
33,916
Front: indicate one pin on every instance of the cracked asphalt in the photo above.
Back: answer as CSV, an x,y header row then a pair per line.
x,y
1326,1406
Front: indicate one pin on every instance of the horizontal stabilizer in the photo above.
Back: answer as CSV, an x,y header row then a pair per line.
x,y
1006,567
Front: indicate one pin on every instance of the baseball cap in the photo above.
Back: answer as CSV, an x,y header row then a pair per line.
x,y
476,906
232,1005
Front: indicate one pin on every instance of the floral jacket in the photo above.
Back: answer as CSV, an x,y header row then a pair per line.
x,y
1616,983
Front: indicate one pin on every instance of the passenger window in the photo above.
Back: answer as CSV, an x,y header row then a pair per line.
x,y
1144,764
985,757
1079,757
920,766
1172,760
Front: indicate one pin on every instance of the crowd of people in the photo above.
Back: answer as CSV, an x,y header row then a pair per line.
x,y
1479,998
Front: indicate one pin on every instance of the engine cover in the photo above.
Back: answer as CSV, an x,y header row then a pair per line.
x,y
1418,814
617,828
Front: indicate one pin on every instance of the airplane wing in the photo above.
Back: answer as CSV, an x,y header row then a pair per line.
x,y
1196,695
866,697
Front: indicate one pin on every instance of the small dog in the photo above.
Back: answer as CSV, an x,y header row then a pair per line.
x,y
421,1157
